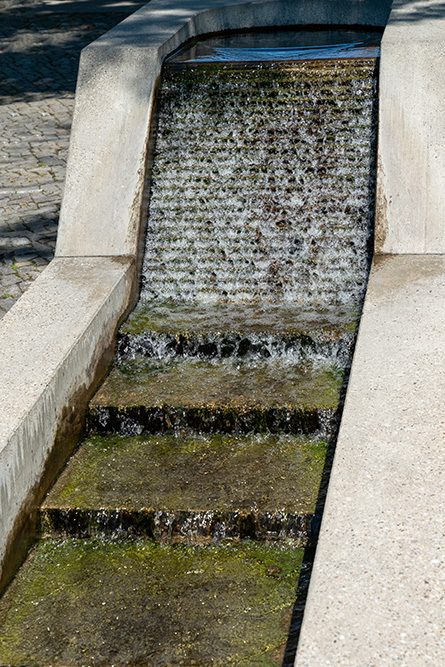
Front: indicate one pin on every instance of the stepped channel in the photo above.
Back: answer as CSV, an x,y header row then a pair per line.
x,y
180,533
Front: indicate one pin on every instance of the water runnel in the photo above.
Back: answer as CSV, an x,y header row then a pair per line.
x,y
175,535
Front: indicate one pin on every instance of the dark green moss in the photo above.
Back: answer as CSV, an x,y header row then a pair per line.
x,y
117,603
189,487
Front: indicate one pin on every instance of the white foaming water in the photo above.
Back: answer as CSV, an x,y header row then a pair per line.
x,y
263,185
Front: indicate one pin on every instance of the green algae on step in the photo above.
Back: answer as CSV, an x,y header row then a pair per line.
x,y
189,487
182,317
197,383
168,330
144,395
95,602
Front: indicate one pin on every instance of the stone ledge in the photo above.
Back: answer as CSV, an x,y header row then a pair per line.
x,y
376,594
411,155
56,342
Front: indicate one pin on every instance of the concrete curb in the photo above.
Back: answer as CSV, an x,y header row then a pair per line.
x,y
56,344
376,591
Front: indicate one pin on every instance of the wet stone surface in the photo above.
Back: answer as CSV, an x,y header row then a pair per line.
x,y
95,602
149,395
189,487
279,318
228,383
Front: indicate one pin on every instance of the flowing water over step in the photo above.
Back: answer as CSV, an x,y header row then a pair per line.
x,y
175,535
259,486
261,186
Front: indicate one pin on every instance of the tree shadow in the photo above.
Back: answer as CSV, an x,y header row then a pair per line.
x,y
417,11
40,51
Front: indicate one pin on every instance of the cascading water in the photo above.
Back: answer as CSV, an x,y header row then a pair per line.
x,y
176,532
261,186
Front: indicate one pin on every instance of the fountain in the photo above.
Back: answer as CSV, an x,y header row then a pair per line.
x,y
208,440
57,341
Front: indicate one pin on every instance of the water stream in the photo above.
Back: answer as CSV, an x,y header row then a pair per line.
x,y
176,534
262,186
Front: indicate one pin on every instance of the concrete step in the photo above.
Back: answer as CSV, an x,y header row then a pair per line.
x,y
110,602
246,332
188,488
185,317
149,395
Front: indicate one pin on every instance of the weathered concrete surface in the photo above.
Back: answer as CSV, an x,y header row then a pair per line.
x,y
54,343
411,171
114,100
376,594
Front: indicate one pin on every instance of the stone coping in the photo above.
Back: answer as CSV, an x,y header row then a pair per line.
x,y
411,162
376,592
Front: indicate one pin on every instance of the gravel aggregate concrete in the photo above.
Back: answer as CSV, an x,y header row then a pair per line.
x,y
39,54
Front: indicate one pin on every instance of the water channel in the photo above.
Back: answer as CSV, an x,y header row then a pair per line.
x,y
182,530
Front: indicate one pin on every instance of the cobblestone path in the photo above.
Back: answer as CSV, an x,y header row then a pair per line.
x,y
39,54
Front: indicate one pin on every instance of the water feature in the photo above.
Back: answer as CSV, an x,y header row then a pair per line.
x,y
181,521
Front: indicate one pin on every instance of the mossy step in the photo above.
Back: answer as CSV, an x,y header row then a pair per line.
x,y
188,487
261,318
95,602
147,395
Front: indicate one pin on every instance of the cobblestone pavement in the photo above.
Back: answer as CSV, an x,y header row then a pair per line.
x,y
39,55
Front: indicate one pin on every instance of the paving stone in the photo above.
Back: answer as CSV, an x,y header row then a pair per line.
x,y
38,71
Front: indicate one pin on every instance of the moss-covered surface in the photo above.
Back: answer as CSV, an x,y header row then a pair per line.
x,y
220,383
150,396
263,317
189,487
94,602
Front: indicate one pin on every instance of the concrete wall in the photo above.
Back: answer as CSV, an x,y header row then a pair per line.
x,y
55,343
411,168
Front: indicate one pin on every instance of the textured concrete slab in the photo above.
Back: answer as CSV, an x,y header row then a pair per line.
x,y
55,341
411,170
114,100
376,594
